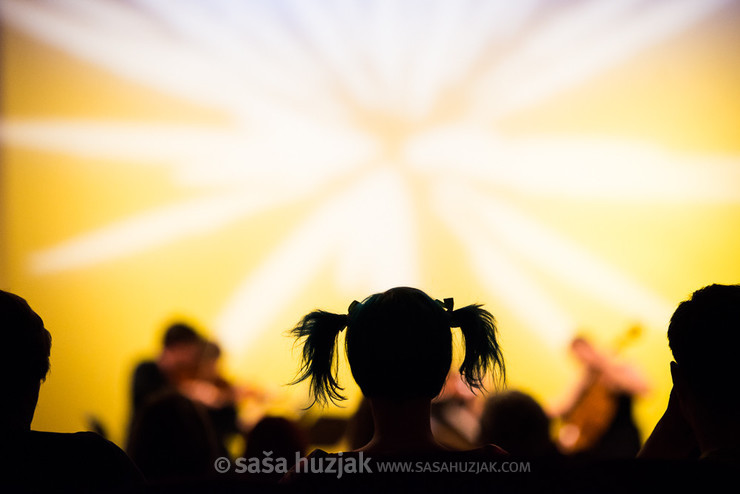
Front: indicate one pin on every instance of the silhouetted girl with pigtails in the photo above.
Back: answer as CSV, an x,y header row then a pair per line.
x,y
399,348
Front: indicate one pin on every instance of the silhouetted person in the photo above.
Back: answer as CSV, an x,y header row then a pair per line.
x,y
277,437
45,461
399,348
172,439
702,419
182,349
516,422
599,424
360,427
456,414
454,418
218,396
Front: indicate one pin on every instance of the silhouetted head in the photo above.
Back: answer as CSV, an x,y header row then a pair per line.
x,y
208,367
173,438
182,350
278,435
704,336
582,349
399,345
26,346
181,334
517,423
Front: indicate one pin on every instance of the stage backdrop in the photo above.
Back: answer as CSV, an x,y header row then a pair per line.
x,y
573,165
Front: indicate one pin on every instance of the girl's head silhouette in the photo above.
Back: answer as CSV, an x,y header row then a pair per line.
x,y
399,346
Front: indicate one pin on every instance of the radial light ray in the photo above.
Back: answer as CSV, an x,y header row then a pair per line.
x,y
545,47
256,26
379,249
299,258
124,57
456,36
197,77
114,15
148,230
132,142
344,65
573,265
502,277
536,77
593,169
384,48
229,49
497,20
202,156
429,72
316,155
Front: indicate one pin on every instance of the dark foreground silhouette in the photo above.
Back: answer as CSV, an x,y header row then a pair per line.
x,y
37,461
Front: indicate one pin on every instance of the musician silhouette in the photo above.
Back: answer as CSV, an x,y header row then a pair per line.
x,y
178,361
598,422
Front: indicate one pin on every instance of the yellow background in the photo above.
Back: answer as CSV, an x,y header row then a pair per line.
x,y
681,94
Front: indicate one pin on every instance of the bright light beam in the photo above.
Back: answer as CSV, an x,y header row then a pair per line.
x,y
501,276
343,63
531,78
294,263
379,248
148,230
573,265
202,157
590,169
190,74
229,48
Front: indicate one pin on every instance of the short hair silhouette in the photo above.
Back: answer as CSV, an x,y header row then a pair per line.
x,y
27,339
278,436
515,421
704,337
172,438
81,461
211,351
180,333
26,351
399,346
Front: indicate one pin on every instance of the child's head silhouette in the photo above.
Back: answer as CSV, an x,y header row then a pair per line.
x,y
399,346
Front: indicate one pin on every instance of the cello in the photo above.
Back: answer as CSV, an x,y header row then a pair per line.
x,y
593,411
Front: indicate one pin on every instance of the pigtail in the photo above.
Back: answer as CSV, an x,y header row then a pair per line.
x,y
320,330
482,349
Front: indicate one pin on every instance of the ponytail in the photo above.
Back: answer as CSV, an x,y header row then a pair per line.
x,y
320,330
482,350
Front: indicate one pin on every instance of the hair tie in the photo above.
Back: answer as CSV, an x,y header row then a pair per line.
x,y
351,311
448,305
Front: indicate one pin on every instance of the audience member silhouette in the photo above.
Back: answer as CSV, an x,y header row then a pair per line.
x,y
516,422
455,418
399,348
172,439
360,427
46,461
701,420
456,414
276,437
